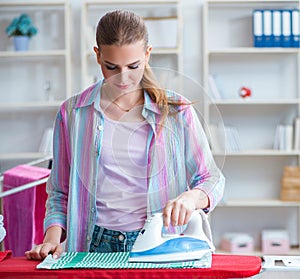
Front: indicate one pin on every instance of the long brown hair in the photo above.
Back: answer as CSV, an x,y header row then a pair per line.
x,y
123,28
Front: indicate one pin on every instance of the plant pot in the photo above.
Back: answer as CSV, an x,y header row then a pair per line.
x,y
21,43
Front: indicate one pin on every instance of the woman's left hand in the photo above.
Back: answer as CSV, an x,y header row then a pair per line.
x,y
179,210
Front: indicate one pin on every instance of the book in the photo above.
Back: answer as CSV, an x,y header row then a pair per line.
x,y
284,137
214,91
297,133
216,138
232,139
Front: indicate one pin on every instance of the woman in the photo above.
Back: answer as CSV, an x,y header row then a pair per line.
x,y
124,149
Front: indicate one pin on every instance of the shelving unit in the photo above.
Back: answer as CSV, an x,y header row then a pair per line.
x,y
252,194
27,109
164,22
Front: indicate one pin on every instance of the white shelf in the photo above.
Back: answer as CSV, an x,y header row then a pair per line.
x,y
46,53
34,82
258,203
30,105
263,152
254,173
31,4
252,50
249,1
291,252
238,102
119,2
156,51
22,156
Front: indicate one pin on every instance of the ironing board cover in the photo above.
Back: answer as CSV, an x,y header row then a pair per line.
x,y
117,260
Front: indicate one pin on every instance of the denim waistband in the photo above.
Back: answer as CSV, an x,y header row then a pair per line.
x,y
115,233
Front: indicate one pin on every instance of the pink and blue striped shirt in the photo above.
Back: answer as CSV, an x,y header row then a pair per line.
x,y
179,159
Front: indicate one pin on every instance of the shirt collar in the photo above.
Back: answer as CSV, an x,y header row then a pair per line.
x,y
91,96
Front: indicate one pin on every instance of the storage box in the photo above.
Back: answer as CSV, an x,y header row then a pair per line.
x,y
275,242
238,243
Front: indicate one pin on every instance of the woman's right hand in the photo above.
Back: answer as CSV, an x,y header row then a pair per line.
x,y
50,245
43,250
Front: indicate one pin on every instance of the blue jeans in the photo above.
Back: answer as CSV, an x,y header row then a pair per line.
x,y
106,241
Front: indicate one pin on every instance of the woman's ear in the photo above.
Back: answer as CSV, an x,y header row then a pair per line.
x,y
97,51
148,53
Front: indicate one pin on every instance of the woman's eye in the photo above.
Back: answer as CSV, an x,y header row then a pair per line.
x,y
111,68
133,67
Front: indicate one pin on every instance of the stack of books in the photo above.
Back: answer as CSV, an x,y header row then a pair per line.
x,y
224,138
284,138
287,137
276,28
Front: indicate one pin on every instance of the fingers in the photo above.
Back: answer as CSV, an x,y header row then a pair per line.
x,y
57,252
178,212
42,251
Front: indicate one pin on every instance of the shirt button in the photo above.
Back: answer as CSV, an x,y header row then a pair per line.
x,y
88,238
93,209
121,237
100,127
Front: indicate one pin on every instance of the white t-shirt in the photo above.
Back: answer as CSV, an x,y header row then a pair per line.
x,y
122,178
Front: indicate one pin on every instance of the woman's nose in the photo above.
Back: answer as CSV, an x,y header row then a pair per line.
x,y
123,75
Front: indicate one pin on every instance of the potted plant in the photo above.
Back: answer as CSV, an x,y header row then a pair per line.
x,y
22,30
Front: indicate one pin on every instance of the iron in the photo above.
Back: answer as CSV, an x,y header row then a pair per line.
x,y
153,245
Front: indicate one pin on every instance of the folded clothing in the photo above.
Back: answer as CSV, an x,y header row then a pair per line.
x,y
5,255
117,260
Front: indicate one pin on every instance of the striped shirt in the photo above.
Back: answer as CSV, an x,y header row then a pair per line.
x,y
179,158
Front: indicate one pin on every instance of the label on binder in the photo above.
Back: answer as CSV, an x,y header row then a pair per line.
x,y
286,28
295,28
257,18
267,28
276,20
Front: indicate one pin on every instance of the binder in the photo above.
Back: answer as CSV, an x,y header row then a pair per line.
x,y
267,28
286,28
257,23
276,30
295,28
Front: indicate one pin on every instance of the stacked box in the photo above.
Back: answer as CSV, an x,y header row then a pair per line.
x,y
275,242
290,184
238,243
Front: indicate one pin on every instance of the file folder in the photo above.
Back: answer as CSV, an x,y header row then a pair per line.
x,y
295,28
267,28
257,22
276,30
286,28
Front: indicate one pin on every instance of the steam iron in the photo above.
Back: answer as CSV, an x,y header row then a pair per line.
x,y
153,246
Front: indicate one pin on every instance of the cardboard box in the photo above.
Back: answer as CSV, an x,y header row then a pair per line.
x,y
275,242
238,243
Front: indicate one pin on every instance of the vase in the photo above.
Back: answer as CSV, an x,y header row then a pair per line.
x,y
21,43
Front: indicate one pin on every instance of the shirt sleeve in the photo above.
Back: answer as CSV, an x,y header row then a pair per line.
x,y
202,171
58,183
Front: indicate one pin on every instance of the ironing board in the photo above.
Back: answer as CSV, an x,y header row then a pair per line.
x,y
223,266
